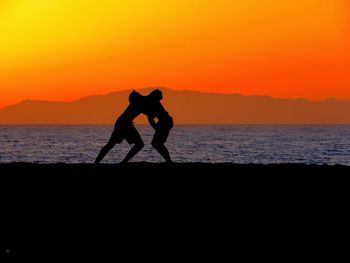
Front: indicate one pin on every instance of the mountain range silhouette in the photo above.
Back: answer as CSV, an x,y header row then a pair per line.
x,y
187,107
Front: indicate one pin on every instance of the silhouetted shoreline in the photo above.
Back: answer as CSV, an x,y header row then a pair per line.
x,y
86,210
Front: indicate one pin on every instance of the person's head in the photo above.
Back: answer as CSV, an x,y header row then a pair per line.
x,y
156,95
134,97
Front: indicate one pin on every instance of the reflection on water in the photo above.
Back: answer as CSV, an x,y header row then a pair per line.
x,y
239,144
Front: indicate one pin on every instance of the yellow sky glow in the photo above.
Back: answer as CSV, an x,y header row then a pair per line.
x,y
64,49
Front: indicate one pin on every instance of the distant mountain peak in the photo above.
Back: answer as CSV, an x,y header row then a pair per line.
x,y
186,106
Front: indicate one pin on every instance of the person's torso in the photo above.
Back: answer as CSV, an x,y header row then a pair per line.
x,y
156,110
130,113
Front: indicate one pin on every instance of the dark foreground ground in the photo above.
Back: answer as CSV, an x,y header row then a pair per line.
x,y
180,211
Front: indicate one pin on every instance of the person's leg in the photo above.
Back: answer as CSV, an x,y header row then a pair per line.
x,y
133,136
133,151
105,149
115,138
158,143
163,151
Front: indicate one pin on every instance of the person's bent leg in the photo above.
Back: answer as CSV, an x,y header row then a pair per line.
x,y
105,149
162,150
133,151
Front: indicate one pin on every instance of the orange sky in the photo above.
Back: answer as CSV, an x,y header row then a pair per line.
x,y
65,49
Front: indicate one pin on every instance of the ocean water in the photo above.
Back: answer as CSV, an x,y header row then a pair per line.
x,y
310,144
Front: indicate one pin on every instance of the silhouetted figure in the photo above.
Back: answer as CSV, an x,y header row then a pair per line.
x,y
125,129
154,109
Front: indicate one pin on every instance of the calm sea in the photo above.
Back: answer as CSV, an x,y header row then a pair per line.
x,y
312,144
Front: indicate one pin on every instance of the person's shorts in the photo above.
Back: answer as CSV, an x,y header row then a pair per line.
x,y
127,131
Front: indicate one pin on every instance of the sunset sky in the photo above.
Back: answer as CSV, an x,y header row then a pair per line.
x,y
66,49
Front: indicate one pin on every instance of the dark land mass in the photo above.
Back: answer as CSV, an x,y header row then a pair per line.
x,y
187,107
180,211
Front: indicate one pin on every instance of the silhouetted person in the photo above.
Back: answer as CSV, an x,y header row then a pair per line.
x,y
125,129
154,109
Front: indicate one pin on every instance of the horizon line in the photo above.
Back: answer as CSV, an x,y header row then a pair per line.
x,y
182,124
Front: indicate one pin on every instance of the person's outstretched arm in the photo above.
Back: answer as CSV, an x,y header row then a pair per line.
x,y
152,122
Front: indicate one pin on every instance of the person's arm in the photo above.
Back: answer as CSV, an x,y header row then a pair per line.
x,y
152,122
